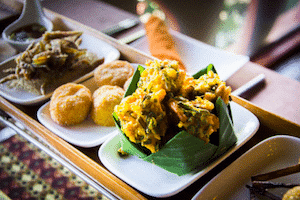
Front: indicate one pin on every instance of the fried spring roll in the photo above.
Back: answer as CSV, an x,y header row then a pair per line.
x,y
161,43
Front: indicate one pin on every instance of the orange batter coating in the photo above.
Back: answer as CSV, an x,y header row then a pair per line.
x,y
113,73
70,104
105,98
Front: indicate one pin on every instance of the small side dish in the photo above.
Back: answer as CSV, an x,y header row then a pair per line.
x,y
71,103
165,111
273,153
261,184
56,57
28,32
85,134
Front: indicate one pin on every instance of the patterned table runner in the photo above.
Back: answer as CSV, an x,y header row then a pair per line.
x,y
26,172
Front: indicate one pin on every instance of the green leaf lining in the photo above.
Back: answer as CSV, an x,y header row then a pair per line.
x,y
134,81
184,152
205,71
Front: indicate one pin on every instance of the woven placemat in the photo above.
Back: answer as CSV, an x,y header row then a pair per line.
x,y
27,172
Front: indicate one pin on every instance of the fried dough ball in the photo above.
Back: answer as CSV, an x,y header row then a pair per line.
x,y
70,104
113,73
292,194
105,98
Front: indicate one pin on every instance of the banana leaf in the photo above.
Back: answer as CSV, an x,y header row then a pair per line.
x,y
184,153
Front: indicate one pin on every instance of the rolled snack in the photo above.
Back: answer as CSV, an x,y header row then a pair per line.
x,y
161,43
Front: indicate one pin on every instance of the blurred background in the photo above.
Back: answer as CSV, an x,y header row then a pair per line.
x,y
220,22
267,31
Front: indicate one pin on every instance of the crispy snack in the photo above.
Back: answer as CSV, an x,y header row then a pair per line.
x,y
292,194
161,42
70,104
56,57
113,73
195,104
164,75
208,87
105,99
195,116
160,125
143,118
143,115
167,96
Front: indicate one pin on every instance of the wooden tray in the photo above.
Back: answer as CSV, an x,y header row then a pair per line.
x,y
80,157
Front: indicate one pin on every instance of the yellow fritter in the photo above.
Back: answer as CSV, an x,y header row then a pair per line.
x,y
70,104
105,98
167,97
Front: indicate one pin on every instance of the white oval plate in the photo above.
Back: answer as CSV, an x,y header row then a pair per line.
x,y
92,44
85,134
271,154
196,55
155,181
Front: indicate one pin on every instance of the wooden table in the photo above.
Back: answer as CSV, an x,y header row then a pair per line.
x,y
276,104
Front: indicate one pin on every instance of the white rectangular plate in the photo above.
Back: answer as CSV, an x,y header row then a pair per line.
x,y
197,55
271,154
85,134
92,44
155,181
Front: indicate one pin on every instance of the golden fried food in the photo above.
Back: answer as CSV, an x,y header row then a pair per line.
x,y
292,194
70,104
166,96
105,98
113,73
143,114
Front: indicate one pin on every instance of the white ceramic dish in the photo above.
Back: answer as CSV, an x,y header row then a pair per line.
x,y
32,13
271,154
97,46
85,134
197,55
155,181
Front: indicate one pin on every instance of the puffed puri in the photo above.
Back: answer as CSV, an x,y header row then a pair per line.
x,y
113,73
70,104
